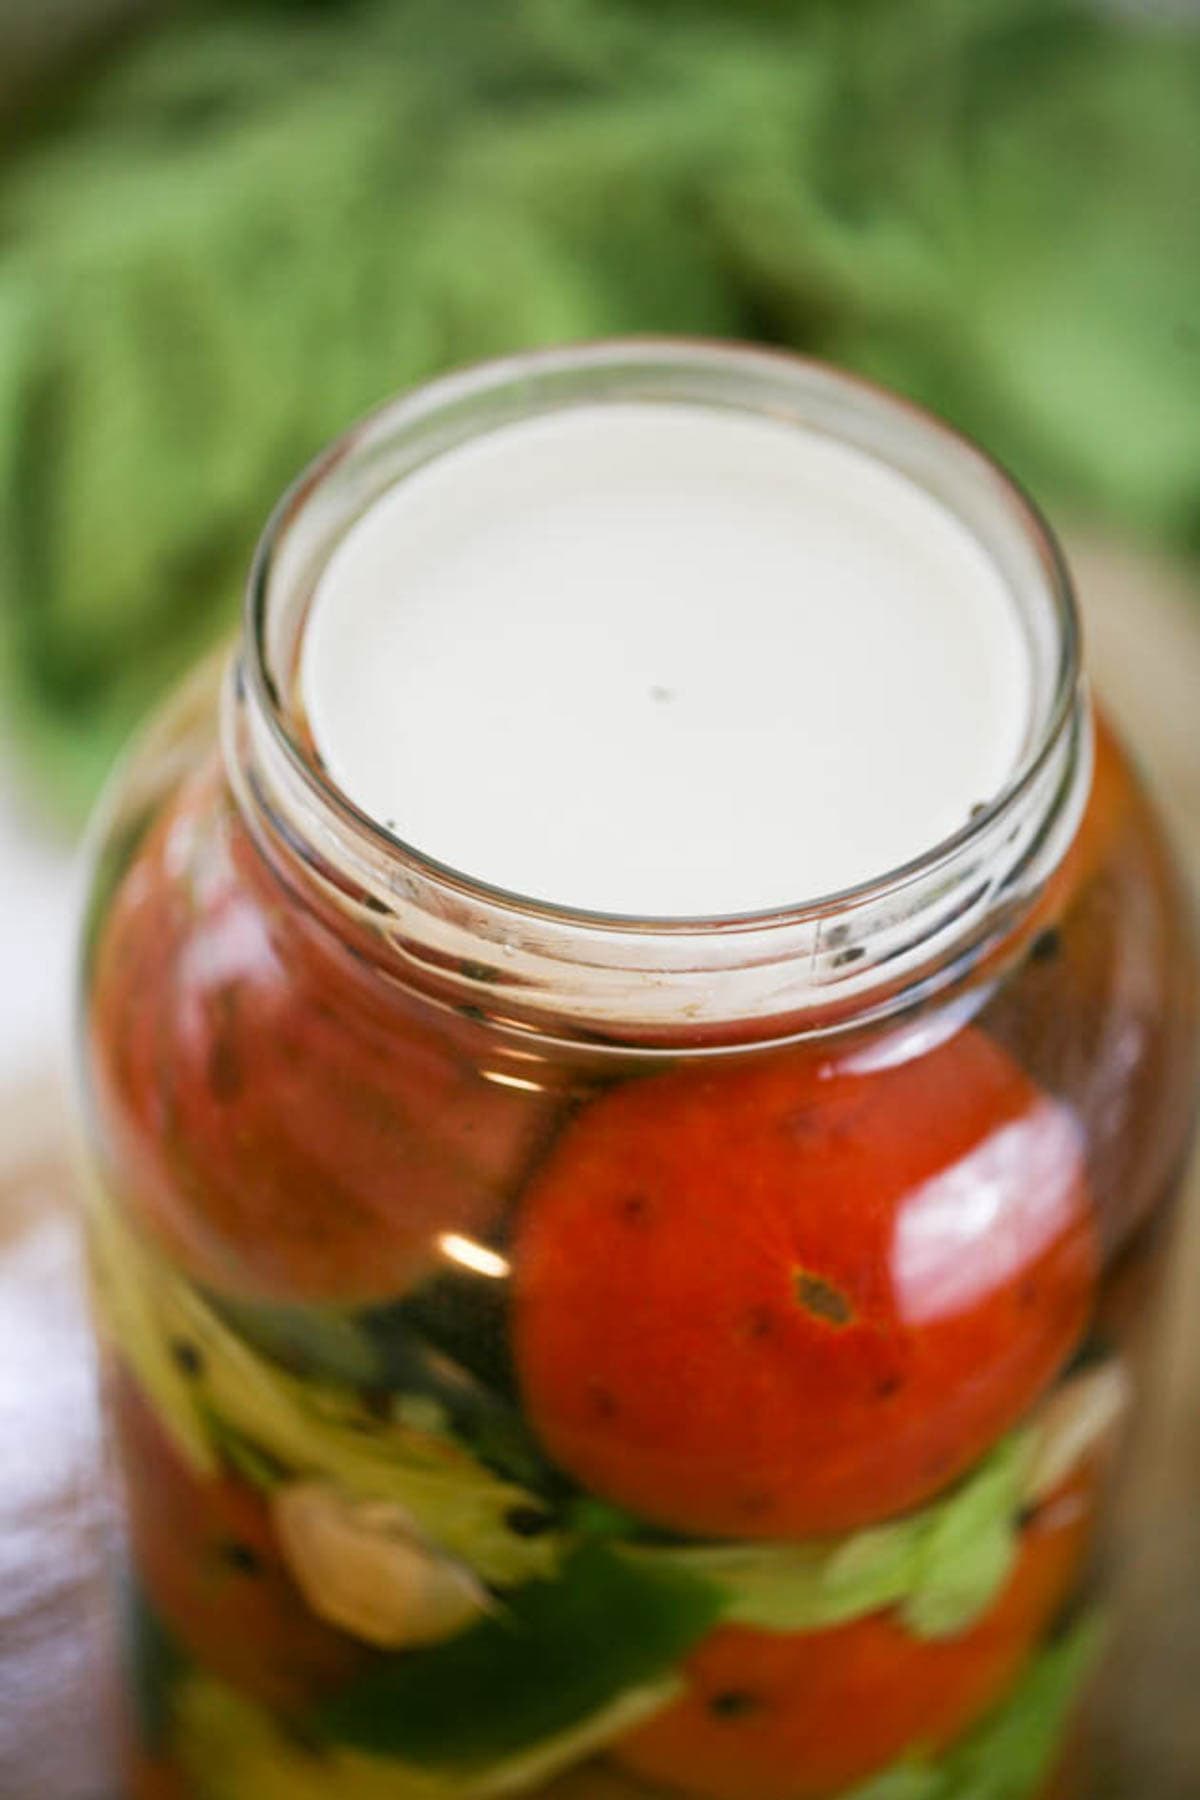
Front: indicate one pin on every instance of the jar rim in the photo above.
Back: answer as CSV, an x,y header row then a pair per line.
x,y
880,931
649,353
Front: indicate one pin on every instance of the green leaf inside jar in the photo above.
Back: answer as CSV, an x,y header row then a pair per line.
x,y
941,1567
389,1354
556,1653
221,1400
1008,1755
231,1749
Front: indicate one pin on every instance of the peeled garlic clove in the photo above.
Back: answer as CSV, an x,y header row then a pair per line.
x,y
1077,1419
362,1566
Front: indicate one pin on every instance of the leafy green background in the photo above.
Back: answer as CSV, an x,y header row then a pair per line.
x,y
239,229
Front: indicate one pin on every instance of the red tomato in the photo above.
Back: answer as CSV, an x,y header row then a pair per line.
x,y
772,1717
290,1126
781,1299
207,1557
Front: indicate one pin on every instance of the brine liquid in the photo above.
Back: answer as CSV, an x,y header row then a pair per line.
x,y
662,659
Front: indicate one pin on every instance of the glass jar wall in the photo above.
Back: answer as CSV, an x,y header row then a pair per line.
x,y
596,1357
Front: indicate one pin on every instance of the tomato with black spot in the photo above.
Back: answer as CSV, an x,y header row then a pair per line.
x,y
769,1716
784,1297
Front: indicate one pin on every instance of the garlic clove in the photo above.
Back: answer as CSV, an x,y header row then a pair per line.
x,y
362,1566
1080,1417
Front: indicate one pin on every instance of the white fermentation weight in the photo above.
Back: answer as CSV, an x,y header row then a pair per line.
x,y
664,660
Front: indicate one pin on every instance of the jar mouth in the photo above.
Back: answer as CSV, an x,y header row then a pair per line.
x,y
799,969
407,432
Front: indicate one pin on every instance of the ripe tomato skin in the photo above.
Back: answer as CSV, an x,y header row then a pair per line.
x,y
206,1554
783,1300
289,1126
773,1717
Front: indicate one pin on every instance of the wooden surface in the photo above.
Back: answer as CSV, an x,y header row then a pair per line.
x,y
1143,626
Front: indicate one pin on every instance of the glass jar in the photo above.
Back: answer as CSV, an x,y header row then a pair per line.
x,y
561,1353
